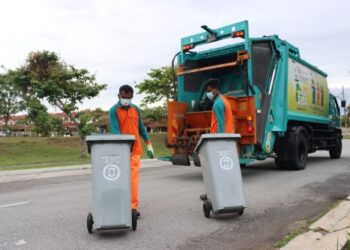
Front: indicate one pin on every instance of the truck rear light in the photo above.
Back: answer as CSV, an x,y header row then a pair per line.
x,y
187,47
238,34
250,124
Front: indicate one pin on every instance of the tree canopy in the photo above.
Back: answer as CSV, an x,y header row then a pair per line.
x,y
10,101
158,86
45,76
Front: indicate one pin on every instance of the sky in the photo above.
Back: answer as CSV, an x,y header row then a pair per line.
x,y
120,41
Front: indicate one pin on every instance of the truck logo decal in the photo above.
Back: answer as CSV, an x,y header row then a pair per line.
x,y
307,90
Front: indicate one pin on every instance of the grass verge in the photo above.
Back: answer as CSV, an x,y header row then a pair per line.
x,y
40,152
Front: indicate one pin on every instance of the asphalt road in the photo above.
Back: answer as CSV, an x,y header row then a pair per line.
x,y
50,213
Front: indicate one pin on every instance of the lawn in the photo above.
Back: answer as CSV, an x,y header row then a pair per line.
x,y
346,137
29,152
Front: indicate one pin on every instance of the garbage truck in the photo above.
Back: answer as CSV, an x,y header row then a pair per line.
x,y
281,104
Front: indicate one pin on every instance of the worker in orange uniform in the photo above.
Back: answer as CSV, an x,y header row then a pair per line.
x,y
221,118
125,118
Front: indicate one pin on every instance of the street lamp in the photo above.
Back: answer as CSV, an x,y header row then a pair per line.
x,y
343,104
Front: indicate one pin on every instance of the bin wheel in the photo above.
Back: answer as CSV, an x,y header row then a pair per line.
x,y
134,219
241,212
206,208
89,223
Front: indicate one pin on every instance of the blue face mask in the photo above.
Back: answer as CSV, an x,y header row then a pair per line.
x,y
125,102
210,95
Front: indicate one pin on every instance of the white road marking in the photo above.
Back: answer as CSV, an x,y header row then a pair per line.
x,y
14,204
20,242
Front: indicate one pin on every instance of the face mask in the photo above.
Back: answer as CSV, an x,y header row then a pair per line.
x,y
125,102
210,95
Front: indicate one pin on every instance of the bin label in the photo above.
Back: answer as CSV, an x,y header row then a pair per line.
x,y
111,170
226,162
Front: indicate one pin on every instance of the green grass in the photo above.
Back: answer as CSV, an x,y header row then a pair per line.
x,y
40,152
28,152
158,143
304,226
347,137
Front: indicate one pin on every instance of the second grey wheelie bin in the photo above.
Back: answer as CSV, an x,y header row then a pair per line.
x,y
221,173
110,162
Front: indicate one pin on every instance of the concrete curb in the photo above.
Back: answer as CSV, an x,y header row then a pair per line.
x,y
41,173
330,232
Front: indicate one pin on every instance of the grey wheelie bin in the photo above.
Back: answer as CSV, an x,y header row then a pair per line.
x,y
221,173
110,161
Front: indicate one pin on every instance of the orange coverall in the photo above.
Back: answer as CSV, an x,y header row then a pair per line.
x,y
222,118
127,120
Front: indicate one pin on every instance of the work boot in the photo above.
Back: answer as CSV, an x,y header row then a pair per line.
x,y
203,197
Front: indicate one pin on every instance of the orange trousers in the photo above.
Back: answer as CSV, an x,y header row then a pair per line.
x,y
135,164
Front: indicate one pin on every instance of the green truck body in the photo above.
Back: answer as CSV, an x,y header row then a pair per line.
x,y
295,114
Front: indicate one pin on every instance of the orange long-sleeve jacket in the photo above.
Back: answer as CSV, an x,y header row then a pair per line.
x,y
127,120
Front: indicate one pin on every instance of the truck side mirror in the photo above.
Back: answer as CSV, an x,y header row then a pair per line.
x,y
343,103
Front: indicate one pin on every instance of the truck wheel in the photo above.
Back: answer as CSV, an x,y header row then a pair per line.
x,y
298,149
280,164
335,152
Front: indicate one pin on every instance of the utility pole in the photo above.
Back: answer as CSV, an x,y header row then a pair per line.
x,y
345,116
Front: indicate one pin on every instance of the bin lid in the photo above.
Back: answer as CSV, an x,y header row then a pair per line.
x,y
214,137
109,138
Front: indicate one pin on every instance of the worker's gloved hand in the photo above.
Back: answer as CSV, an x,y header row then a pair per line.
x,y
150,152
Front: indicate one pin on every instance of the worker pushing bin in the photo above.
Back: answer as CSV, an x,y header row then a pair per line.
x,y
222,174
110,161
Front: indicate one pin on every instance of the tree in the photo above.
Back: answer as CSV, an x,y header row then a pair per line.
x,y
158,87
46,77
156,114
38,114
57,125
10,101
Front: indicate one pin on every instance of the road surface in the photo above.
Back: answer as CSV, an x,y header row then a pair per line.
x,y
50,213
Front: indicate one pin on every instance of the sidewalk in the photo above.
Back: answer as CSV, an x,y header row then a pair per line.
x,y
332,231
40,173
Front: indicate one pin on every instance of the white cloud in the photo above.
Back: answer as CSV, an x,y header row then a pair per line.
x,y
121,40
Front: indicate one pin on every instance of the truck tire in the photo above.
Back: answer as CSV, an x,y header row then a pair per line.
x,y
280,164
293,151
335,152
298,149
